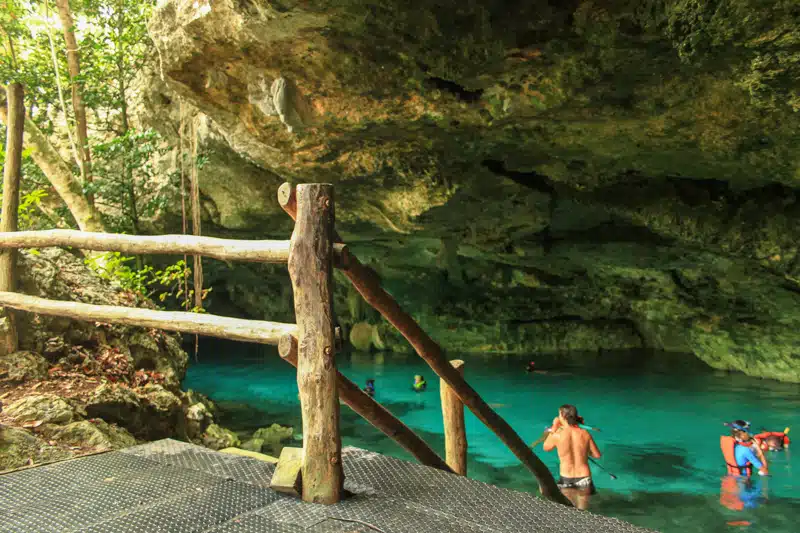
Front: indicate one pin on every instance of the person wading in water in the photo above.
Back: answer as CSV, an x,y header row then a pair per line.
x,y
574,445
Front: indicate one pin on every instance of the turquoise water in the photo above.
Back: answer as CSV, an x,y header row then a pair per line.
x,y
660,432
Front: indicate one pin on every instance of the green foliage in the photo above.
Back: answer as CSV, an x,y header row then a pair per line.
x,y
126,181
29,205
114,46
164,284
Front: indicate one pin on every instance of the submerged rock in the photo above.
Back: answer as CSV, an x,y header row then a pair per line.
x,y
23,366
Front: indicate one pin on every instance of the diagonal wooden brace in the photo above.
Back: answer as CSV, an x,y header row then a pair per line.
x,y
367,283
373,412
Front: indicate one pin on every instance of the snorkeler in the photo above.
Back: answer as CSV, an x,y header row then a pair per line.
x,y
419,383
740,452
773,440
370,388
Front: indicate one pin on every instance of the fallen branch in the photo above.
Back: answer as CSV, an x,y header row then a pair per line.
x,y
235,329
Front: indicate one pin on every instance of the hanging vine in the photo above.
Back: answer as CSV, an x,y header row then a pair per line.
x,y
198,260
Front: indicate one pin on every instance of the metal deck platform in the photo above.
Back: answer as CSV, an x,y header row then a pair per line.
x,y
171,486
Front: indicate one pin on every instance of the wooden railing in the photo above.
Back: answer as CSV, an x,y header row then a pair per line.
x,y
314,249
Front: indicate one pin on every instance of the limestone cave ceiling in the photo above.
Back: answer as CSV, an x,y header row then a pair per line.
x,y
614,160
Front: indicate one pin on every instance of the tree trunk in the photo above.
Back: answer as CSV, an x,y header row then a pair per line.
x,y
58,173
455,432
12,172
373,412
311,270
73,63
124,123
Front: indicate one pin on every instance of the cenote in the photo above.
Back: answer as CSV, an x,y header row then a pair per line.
x,y
659,433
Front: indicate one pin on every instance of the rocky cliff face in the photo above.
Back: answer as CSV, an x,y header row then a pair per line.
x,y
533,176
79,387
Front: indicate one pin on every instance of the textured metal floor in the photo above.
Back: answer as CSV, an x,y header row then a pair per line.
x,y
171,486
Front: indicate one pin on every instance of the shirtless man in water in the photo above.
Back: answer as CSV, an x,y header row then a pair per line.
x,y
574,447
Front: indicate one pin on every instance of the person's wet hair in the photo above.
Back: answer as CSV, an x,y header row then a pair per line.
x,y
570,414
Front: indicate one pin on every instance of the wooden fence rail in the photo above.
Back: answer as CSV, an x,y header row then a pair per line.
x,y
223,249
236,329
367,283
310,345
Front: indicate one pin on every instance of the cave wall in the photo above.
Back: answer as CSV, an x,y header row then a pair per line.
x,y
536,176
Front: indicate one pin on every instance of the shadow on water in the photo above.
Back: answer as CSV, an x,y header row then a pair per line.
x,y
653,460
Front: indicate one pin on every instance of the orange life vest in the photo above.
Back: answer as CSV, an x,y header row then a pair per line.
x,y
761,437
728,445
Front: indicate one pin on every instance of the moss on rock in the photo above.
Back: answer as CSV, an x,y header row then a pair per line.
x,y
19,448
94,433
45,409
23,366
216,437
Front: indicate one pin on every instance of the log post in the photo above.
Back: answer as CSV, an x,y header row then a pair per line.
x,y
311,271
367,283
455,432
373,412
11,177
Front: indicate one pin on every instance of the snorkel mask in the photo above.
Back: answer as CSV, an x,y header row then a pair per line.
x,y
743,426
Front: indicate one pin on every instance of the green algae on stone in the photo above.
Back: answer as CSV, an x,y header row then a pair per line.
x,y
20,448
23,366
46,409
217,438
95,433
